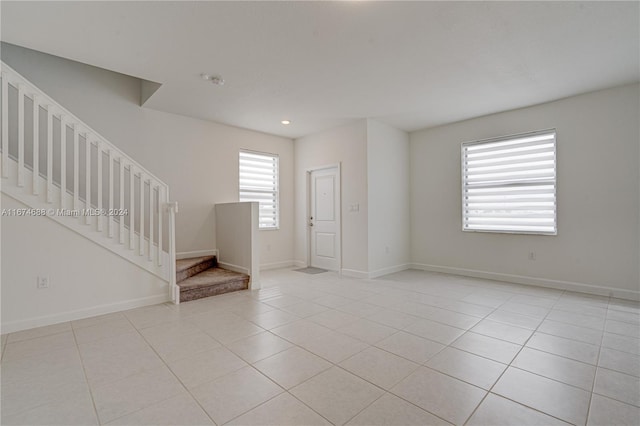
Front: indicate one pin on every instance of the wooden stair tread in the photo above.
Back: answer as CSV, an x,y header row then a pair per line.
x,y
184,264
200,277
211,277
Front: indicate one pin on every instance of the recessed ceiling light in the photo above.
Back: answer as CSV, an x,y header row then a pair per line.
x,y
286,122
215,79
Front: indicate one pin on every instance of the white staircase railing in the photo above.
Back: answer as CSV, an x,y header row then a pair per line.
x,y
60,167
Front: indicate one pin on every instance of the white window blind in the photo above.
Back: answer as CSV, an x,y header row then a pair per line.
x,y
509,184
259,182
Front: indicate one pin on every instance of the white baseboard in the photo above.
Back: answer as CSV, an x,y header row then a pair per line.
x,y
299,264
197,253
234,268
277,265
540,282
354,273
19,325
389,270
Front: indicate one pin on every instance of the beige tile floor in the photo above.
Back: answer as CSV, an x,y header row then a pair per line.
x,y
413,348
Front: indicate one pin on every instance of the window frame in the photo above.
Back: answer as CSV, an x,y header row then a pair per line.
x,y
276,191
464,185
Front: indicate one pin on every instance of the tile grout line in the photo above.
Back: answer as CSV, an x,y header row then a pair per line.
x,y
597,366
405,358
500,376
389,392
468,330
224,375
536,330
84,373
564,292
172,373
610,369
384,392
37,337
423,364
39,405
416,369
258,360
559,356
281,387
332,366
485,317
615,399
306,405
455,378
277,384
510,365
570,338
558,381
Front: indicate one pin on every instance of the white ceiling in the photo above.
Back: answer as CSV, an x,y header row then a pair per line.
x,y
320,64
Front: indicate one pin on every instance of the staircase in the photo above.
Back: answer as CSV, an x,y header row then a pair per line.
x,y
61,168
201,277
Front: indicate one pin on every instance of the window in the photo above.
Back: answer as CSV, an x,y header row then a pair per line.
x,y
259,182
509,184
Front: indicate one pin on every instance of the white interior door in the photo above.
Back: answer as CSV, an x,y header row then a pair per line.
x,y
324,218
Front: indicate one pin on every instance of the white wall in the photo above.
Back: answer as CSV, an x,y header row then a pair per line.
x,y
388,194
346,145
375,175
598,180
197,159
85,279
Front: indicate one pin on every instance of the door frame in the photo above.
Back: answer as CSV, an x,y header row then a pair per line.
x,y
338,167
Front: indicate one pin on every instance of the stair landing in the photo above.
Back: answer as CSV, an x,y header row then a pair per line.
x,y
201,277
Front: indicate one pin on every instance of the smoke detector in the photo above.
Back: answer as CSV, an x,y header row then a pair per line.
x,y
215,79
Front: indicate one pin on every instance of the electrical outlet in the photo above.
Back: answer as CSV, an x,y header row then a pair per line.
x,y
43,282
532,255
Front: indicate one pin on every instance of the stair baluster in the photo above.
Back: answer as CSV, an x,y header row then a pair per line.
x,y
87,167
16,167
132,210
175,290
161,201
36,145
49,154
5,126
110,218
151,209
121,204
76,168
99,217
141,241
63,161
20,135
